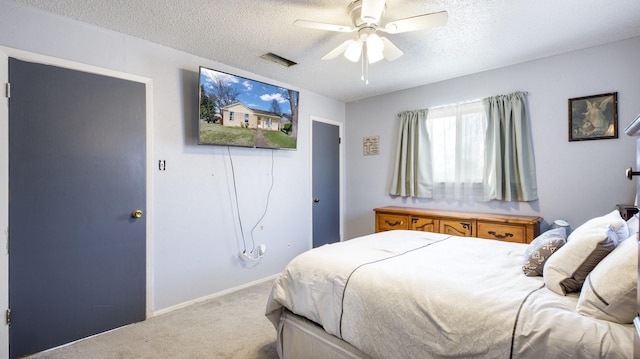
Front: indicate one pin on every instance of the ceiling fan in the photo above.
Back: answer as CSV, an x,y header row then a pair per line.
x,y
366,16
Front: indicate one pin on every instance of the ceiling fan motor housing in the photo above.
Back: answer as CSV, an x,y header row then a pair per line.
x,y
355,12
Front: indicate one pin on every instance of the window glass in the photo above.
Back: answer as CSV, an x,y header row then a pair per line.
x,y
457,136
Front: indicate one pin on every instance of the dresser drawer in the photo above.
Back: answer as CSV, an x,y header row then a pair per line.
x,y
457,227
424,224
502,232
387,222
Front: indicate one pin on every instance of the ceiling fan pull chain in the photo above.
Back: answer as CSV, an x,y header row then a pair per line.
x,y
366,72
362,61
365,64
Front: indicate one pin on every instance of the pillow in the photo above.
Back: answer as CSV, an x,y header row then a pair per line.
x,y
541,248
632,224
612,219
609,291
566,270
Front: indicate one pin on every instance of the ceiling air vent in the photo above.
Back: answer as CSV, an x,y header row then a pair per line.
x,y
278,59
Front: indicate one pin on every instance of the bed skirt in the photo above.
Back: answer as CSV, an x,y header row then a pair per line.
x,y
299,337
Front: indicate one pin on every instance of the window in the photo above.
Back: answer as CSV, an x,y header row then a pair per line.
x,y
457,134
246,118
481,151
231,115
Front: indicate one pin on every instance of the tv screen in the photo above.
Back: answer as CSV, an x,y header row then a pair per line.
x,y
237,111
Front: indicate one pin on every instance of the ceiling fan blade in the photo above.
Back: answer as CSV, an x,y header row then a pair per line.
x,y
391,51
371,10
375,48
337,51
322,26
420,22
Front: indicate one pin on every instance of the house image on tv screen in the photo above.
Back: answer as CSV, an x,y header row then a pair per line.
x,y
239,115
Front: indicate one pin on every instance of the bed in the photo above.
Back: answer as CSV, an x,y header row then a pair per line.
x,y
412,294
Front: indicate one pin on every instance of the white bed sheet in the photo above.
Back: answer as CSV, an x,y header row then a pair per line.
x,y
409,294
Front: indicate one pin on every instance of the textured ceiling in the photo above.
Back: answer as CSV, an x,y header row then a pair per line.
x,y
479,35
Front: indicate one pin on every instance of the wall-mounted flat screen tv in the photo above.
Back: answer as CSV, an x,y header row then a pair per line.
x,y
237,111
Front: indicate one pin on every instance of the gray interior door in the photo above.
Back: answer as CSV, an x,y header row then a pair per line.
x,y
636,339
76,174
326,183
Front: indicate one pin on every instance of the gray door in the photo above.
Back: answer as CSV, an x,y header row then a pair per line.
x,y
637,200
76,174
326,183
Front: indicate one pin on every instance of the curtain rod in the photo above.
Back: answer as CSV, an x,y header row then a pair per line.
x,y
455,104
471,101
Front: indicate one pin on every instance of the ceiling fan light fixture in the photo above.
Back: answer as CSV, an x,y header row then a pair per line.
x,y
353,51
375,48
391,52
373,56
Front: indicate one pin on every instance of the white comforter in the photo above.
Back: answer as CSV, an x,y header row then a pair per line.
x,y
410,294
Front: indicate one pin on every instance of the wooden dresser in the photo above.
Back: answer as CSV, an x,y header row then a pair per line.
x,y
503,227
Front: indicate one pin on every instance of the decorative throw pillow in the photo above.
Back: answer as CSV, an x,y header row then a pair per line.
x,y
540,249
566,270
609,291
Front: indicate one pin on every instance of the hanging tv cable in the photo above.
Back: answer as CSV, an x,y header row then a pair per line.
x,y
266,207
235,191
244,254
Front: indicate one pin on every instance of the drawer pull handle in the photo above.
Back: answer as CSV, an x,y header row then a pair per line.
x,y
501,236
396,223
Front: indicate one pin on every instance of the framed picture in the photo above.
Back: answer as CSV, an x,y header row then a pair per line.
x,y
593,117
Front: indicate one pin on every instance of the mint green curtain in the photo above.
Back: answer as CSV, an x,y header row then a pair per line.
x,y
410,179
510,172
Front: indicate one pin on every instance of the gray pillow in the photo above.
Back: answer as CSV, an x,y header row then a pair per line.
x,y
540,249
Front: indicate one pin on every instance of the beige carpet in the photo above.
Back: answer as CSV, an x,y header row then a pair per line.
x,y
230,326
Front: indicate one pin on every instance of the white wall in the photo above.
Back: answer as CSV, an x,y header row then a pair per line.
x,y
576,181
195,232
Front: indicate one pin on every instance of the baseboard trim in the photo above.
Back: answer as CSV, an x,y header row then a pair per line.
x,y
212,296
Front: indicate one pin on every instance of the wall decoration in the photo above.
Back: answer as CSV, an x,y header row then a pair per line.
x,y
371,145
593,117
